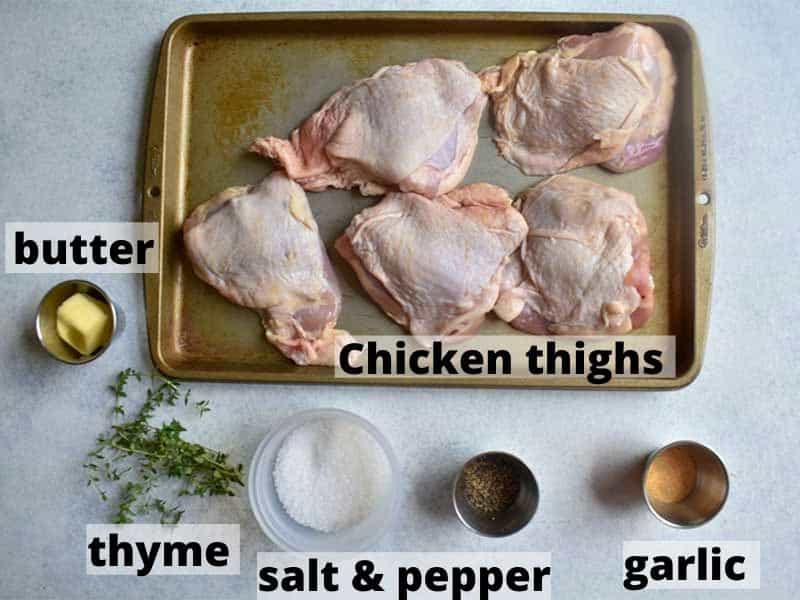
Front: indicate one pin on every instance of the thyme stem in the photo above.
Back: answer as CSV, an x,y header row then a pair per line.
x,y
147,453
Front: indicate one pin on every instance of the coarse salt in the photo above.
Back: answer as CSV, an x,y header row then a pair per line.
x,y
330,474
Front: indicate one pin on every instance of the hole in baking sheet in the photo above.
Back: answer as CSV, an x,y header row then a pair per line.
x,y
154,192
703,199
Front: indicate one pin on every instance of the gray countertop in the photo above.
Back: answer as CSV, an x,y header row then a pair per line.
x,y
75,78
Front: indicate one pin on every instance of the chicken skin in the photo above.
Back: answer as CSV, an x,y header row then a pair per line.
x,y
434,266
584,267
601,99
259,246
411,128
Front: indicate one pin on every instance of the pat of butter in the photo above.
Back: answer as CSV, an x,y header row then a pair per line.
x,y
84,323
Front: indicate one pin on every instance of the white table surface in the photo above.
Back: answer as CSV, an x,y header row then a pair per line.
x,y
75,78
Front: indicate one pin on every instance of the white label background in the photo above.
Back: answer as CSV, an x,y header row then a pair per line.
x,y
517,346
110,232
202,534
388,563
750,550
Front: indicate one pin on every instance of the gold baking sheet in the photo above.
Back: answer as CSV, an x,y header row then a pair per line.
x,y
223,80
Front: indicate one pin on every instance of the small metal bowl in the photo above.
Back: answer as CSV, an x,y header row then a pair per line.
x,y
709,490
509,521
46,321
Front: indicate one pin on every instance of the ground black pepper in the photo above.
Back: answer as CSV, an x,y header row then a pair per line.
x,y
490,486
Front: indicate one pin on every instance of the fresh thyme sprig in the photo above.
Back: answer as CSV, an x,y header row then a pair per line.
x,y
137,455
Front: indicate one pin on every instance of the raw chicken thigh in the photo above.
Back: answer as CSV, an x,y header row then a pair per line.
x,y
411,127
644,45
584,267
259,247
434,266
605,99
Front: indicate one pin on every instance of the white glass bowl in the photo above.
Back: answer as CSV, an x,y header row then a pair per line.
x,y
285,531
